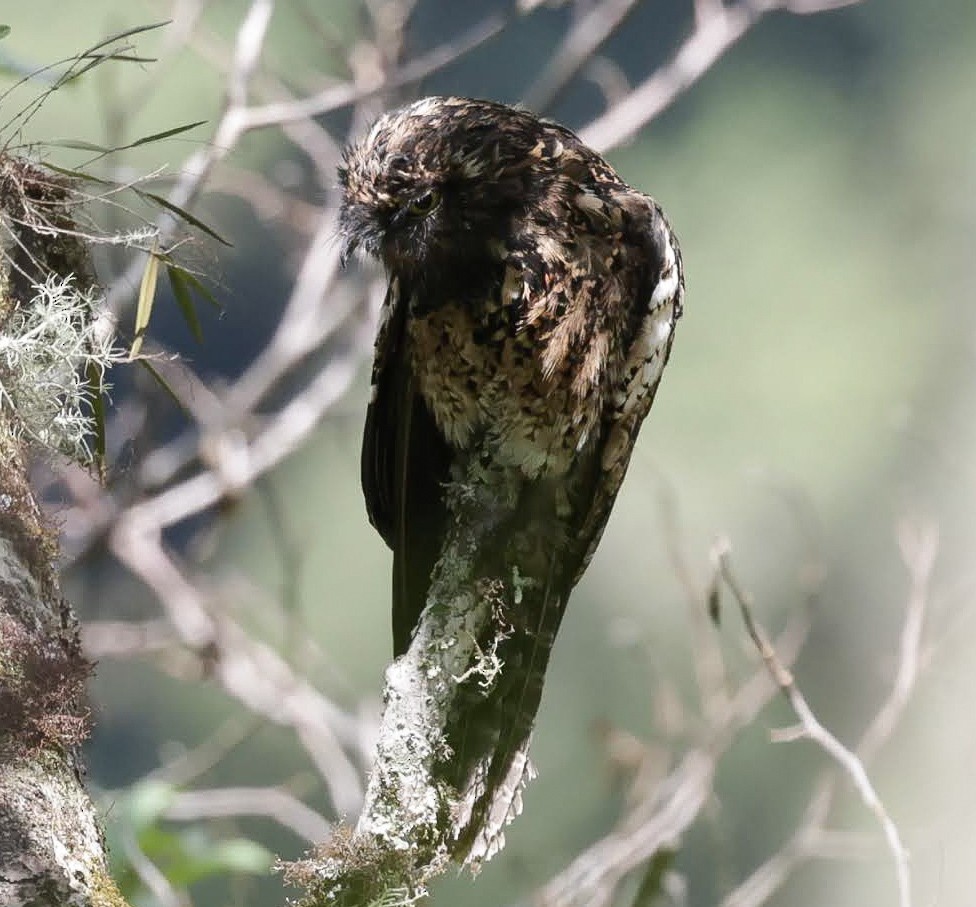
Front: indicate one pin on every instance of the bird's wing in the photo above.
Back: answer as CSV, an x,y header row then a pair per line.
x,y
404,467
660,290
379,434
500,724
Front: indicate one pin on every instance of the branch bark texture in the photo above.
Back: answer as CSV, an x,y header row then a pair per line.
x,y
426,806
51,848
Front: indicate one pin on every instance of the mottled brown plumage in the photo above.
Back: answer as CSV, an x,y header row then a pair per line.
x,y
531,307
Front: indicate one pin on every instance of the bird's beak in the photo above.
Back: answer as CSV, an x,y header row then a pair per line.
x,y
349,246
357,231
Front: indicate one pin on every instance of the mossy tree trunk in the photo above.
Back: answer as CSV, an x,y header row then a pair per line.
x,y
52,852
51,848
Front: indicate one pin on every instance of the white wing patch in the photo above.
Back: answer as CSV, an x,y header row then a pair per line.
x,y
666,287
646,359
645,363
647,356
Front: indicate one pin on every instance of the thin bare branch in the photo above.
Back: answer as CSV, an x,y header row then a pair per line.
x,y
848,760
151,875
666,811
918,545
710,670
578,46
126,638
712,37
190,764
346,94
248,670
718,27
234,802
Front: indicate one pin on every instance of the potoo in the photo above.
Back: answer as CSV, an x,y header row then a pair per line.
x,y
531,308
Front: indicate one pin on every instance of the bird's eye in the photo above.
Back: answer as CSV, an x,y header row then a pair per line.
x,y
422,205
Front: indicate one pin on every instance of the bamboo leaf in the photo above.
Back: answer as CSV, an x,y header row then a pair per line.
x,y
94,375
147,296
165,385
80,175
651,886
102,150
80,145
181,292
184,215
165,134
128,33
96,57
93,60
201,289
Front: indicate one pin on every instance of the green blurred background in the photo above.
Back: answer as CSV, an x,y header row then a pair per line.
x,y
822,179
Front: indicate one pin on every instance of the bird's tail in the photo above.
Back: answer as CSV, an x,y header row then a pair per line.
x,y
492,729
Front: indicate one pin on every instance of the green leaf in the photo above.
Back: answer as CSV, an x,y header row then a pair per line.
x,y
147,296
80,145
165,385
713,600
192,854
93,60
184,215
146,139
128,33
94,376
651,886
159,200
4,31
92,55
96,57
147,801
165,134
242,855
181,292
201,289
80,175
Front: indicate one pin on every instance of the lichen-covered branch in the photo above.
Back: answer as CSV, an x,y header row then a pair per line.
x,y
418,814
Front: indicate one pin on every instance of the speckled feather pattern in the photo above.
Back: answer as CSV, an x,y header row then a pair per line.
x,y
532,302
542,291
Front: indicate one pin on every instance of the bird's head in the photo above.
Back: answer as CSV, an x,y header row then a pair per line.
x,y
438,182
